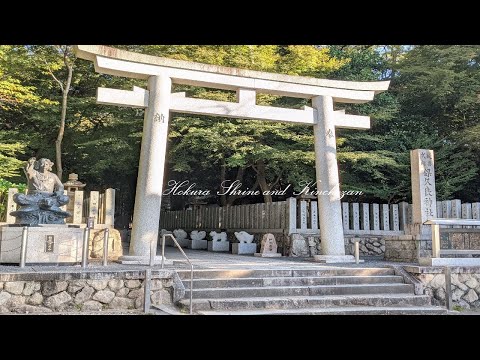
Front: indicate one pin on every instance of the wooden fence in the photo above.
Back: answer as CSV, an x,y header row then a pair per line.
x,y
100,206
257,218
301,216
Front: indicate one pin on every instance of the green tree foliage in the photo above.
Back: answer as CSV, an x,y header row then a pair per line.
x,y
371,161
438,91
19,99
432,103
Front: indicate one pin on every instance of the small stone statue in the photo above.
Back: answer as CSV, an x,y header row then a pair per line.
x,y
41,204
244,237
180,234
222,236
197,235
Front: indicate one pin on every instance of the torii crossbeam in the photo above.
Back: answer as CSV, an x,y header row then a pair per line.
x,y
158,101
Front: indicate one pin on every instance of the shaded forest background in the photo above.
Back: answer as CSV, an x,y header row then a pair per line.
x,y
48,109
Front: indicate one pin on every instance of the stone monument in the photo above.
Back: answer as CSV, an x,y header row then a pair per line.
x,y
268,247
245,244
41,204
49,239
417,241
219,242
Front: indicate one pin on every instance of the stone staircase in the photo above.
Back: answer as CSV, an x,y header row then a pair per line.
x,y
303,292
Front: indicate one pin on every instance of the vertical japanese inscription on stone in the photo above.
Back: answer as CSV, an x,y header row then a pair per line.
x,y
49,243
428,197
424,203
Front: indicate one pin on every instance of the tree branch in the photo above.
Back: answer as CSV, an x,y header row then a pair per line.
x,y
53,76
275,182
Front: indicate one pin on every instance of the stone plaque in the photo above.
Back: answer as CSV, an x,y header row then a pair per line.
x,y
49,243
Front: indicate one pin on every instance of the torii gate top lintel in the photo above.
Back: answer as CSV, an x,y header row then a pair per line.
x,y
119,62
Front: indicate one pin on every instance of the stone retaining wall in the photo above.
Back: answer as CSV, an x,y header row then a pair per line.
x,y
85,291
410,248
310,245
465,284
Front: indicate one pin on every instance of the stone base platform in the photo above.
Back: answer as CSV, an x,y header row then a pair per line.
x,y
184,243
198,244
219,246
46,244
142,260
449,261
244,248
329,259
268,255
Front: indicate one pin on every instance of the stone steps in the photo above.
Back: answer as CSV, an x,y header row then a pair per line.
x,y
297,302
302,291
291,281
268,291
353,310
256,273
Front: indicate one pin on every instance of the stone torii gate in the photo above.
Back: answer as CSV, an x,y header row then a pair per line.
x,y
158,101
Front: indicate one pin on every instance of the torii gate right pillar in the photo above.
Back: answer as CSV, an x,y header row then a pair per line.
x,y
328,184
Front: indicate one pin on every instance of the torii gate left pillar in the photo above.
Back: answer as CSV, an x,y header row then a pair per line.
x,y
148,196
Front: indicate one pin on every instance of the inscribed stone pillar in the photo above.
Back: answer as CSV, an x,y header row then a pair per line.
x,y
78,207
93,206
109,206
365,216
424,203
11,205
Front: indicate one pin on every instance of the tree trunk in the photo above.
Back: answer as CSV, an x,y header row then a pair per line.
x,y
232,198
262,181
61,130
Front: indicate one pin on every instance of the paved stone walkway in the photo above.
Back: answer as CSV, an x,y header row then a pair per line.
x,y
202,259
210,260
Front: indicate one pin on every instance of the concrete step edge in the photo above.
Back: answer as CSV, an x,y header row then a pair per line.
x,y
313,298
341,310
300,277
340,286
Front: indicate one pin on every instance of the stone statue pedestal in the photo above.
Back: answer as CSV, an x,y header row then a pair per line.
x,y
244,248
46,244
268,254
184,243
142,260
198,244
331,259
219,246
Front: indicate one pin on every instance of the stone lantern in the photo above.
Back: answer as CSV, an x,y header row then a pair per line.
x,y
72,185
